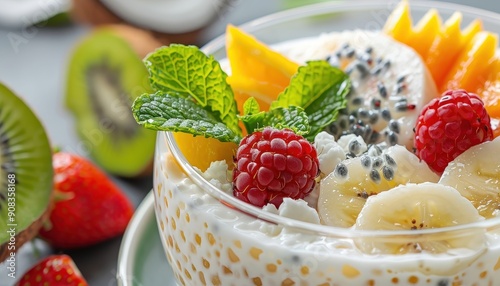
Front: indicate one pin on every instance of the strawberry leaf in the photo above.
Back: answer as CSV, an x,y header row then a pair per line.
x,y
166,112
320,90
188,73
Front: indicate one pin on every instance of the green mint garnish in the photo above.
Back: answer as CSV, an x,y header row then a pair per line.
x,y
320,90
192,96
161,111
187,72
291,117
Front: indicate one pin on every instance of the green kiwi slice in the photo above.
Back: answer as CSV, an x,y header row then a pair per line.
x,y
105,75
26,174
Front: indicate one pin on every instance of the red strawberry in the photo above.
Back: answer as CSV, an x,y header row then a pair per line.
x,y
273,164
54,270
92,209
449,125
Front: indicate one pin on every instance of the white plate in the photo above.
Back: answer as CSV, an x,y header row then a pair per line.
x,y
142,261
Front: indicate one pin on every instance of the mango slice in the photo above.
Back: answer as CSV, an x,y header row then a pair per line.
x,y
256,69
426,30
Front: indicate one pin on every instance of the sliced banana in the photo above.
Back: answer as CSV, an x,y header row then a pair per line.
x,y
415,207
476,175
343,192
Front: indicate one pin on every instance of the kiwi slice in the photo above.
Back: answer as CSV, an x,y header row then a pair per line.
x,y
26,174
106,74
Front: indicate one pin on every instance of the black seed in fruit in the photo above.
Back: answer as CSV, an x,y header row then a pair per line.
x,y
355,147
382,90
388,173
363,113
386,114
26,172
389,160
394,125
375,175
377,162
357,101
341,170
369,50
391,138
366,161
373,117
349,52
401,79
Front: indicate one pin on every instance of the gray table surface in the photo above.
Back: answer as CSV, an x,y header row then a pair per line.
x,y
35,68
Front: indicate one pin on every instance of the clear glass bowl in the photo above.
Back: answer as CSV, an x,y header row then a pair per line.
x,y
211,238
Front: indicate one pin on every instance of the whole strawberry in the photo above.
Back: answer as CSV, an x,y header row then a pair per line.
x,y
89,207
273,164
449,125
54,270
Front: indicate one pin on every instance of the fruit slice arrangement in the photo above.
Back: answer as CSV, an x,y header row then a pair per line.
x,y
457,59
26,173
273,161
343,192
413,207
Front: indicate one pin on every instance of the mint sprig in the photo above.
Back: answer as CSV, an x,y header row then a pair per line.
x,y
320,90
192,95
187,72
165,112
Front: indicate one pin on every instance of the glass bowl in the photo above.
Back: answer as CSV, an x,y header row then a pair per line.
x,y
211,238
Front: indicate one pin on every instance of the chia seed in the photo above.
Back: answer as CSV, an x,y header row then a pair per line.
x,y
386,114
394,126
341,170
388,173
381,89
377,163
375,176
389,160
366,161
391,138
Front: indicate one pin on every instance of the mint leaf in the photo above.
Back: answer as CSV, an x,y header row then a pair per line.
x,y
251,106
320,90
252,117
189,73
292,117
165,112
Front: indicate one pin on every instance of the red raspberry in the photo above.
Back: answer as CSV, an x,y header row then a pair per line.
x,y
449,125
273,164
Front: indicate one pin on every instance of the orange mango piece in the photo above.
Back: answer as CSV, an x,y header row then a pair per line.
x,y
201,151
473,63
256,69
399,23
490,91
426,30
447,46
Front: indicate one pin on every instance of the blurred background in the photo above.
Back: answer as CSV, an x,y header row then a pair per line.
x,y
37,39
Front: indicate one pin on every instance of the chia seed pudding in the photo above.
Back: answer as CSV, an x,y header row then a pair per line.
x,y
212,239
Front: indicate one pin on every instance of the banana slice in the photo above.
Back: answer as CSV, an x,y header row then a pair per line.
x,y
476,175
414,207
343,192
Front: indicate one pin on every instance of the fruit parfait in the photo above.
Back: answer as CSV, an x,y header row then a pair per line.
x,y
347,157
